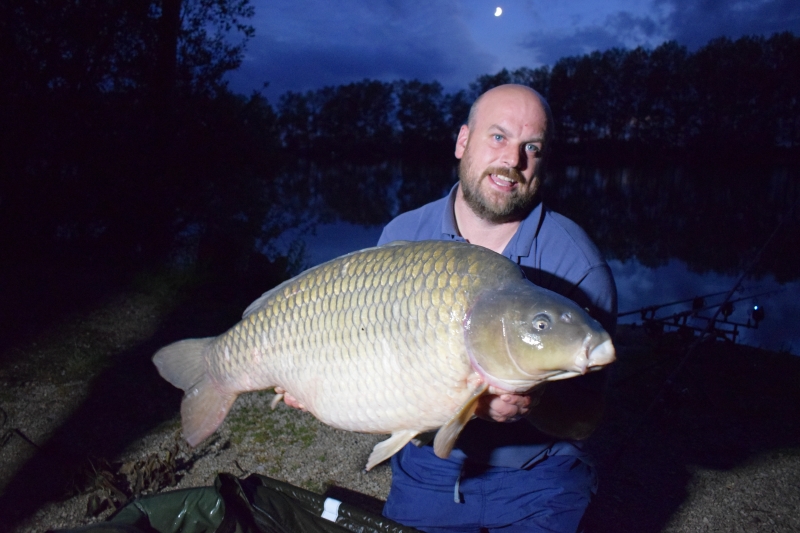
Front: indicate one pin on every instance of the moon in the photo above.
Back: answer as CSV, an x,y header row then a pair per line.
x,y
498,11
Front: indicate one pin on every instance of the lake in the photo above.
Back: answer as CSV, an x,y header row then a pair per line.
x,y
669,234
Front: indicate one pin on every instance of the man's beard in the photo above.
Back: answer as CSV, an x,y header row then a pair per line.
x,y
517,205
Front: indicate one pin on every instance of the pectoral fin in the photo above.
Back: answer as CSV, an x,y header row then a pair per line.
x,y
387,448
448,433
275,401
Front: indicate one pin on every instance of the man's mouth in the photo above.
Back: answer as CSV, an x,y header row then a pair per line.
x,y
504,178
504,182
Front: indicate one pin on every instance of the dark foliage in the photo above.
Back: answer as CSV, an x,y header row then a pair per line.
x,y
371,121
730,99
120,146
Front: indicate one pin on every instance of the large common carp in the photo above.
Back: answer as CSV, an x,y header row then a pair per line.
x,y
398,339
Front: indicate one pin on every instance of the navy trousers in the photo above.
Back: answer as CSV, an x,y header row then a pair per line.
x,y
549,497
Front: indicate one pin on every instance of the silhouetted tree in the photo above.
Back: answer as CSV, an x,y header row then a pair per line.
x,y
110,114
355,121
422,119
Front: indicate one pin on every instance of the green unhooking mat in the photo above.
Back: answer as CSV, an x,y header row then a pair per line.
x,y
255,504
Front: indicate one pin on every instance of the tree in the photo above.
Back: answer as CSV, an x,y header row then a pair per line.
x,y
421,118
103,107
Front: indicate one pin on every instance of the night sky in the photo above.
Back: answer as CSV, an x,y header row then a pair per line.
x,y
306,44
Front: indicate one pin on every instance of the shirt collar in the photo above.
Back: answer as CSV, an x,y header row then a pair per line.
x,y
449,226
520,245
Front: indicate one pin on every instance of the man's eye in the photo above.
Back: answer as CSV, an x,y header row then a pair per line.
x,y
498,137
530,147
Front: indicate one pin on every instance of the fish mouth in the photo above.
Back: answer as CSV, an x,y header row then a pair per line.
x,y
601,355
588,359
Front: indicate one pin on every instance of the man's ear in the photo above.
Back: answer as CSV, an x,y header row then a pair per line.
x,y
461,141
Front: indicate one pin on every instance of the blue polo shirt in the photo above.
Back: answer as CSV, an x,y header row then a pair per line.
x,y
555,253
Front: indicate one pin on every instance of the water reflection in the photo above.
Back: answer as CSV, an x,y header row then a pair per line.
x,y
367,194
639,285
669,233
710,218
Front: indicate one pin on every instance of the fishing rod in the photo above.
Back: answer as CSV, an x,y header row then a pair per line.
x,y
727,309
659,306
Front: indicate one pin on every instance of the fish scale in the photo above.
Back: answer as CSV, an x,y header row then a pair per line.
x,y
375,341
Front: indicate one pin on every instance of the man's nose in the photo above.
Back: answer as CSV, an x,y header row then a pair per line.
x,y
511,156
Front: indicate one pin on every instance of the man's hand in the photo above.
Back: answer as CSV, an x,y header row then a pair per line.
x,y
503,406
290,400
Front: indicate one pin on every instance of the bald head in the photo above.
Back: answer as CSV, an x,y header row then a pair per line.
x,y
512,94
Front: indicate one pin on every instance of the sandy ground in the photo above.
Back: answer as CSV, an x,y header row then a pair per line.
x,y
86,423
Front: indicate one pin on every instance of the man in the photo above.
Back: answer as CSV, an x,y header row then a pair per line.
x,y
530,473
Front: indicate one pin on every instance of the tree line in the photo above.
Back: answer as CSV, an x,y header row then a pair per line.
x,y
726,97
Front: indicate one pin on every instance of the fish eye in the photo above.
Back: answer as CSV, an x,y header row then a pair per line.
x,y
541,322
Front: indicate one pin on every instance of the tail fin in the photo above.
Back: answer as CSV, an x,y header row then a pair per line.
x,y
182,363
204,405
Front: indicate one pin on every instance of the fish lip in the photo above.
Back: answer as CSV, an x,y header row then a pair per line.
x,y
593,355
565,374
601,355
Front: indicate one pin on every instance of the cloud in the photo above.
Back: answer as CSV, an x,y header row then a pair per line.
x,y
308,44
619,30
694,23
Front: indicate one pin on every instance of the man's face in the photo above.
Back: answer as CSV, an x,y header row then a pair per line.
x,y
501,154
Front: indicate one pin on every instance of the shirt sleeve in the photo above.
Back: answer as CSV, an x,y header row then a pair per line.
x,y
384,238
569,263
599,294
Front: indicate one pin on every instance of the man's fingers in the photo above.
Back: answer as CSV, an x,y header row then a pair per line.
x,y
522,402
291,401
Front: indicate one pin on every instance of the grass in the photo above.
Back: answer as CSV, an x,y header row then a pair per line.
x,y
254,421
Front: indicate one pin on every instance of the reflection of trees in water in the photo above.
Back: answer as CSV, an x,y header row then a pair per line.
x,y
365,194
712,218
